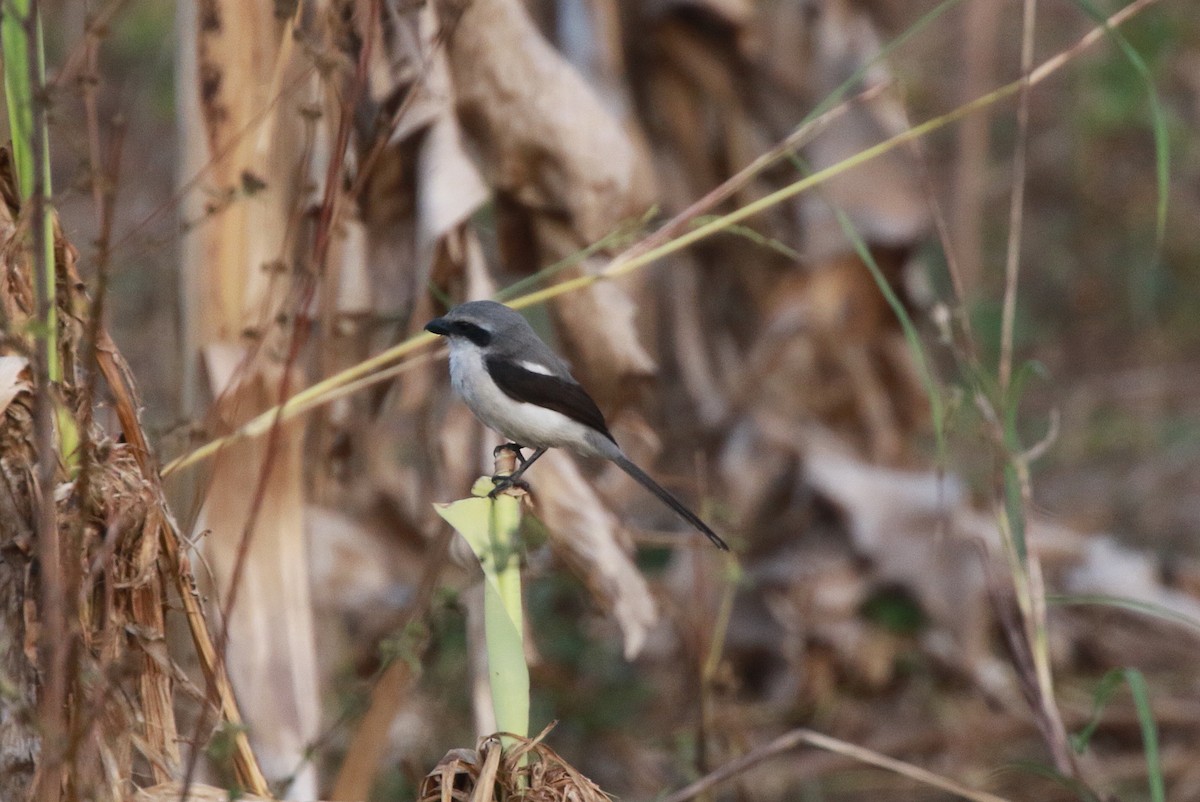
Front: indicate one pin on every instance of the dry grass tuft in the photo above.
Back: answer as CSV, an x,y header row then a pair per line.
x,y
530,771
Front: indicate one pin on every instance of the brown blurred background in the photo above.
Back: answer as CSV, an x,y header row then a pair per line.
x,y
760,372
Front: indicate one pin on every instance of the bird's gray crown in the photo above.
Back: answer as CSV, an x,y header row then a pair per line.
x,y
494,317
507,333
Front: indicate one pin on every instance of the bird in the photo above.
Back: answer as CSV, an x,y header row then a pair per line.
x,y
516,385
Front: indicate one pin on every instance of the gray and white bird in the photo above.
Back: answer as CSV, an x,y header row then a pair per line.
x,y
517,386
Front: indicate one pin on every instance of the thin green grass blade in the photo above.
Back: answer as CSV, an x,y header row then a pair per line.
x,y
1162,141
1133,605
1145,713
1014,500
843,89
1070,783
614,239
1012,401
745,232
1014,511
1140,693
24,59
18,89
1100,699
936,408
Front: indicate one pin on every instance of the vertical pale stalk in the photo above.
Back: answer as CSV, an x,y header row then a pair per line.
x,y
981,23
1017,200
244,97
490,528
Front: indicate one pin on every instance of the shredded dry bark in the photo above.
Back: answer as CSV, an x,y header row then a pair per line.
x,y
120,562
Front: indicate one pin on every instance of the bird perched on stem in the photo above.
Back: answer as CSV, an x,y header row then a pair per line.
x,y
517,386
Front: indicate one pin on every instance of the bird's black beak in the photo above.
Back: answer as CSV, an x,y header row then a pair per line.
x,y
439,325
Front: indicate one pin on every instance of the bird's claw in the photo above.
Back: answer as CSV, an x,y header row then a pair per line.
x,y
513,447
504,482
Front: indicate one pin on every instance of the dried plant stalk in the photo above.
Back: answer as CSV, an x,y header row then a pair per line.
x,y
114,526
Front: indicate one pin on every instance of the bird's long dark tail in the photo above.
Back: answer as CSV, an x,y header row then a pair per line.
x,y
654,487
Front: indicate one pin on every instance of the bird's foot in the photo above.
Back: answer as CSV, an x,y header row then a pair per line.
x,y
504,482
515,448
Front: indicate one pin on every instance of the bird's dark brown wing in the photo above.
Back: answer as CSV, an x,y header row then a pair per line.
x,y
551,392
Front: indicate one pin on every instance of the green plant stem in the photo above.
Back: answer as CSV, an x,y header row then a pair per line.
x,y
505,622
24,89
490,528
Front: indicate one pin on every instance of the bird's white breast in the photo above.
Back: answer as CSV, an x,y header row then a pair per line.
x,y
527,424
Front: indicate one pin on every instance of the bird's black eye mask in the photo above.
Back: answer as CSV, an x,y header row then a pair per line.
x,y
476,334
446,327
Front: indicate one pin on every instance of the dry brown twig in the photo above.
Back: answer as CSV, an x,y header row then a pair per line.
x,y
788,741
